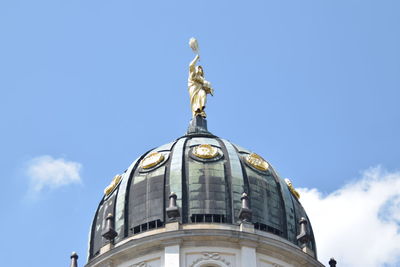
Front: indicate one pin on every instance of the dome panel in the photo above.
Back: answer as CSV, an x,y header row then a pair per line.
x,y
301,213
235,173
120,202
289,212
106,207
206,185
265,201
146,199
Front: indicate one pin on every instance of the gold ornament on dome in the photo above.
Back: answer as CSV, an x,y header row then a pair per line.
x,y
152,160
117,178
205,151
257,162
291,188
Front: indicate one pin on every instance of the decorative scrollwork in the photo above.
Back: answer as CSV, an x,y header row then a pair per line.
x,y
210,256
141,264
272,263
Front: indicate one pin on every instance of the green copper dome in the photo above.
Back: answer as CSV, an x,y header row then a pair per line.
x,y
208,174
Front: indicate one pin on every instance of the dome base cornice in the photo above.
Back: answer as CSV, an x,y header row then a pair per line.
x,y
191,236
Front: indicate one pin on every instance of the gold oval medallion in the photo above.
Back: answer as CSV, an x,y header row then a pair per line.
x,y
292,189
113,184
205,151
152,160
257,162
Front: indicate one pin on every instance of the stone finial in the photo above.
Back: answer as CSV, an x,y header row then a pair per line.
x,y
304,236
332,262
109,232
173,210
245,212
74,260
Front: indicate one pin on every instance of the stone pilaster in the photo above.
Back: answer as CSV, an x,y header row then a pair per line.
x,y
172,256
248,256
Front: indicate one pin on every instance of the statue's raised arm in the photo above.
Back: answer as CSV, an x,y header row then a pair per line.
x,y
192,64
197,85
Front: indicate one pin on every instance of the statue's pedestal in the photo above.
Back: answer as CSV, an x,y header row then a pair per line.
x,y
198,125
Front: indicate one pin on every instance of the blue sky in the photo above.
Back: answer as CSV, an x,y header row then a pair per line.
x,y
88,86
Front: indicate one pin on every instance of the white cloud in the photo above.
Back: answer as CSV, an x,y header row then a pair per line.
x,y
46,171
359,224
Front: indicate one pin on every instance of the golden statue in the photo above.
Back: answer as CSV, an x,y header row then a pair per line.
x,y
198,86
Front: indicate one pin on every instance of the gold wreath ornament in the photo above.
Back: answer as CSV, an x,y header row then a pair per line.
x,y
113,184
152,160
292,189
205,151
257,162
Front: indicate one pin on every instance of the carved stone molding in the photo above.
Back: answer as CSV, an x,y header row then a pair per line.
x,y
210,256
108,263
141,264
272,263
